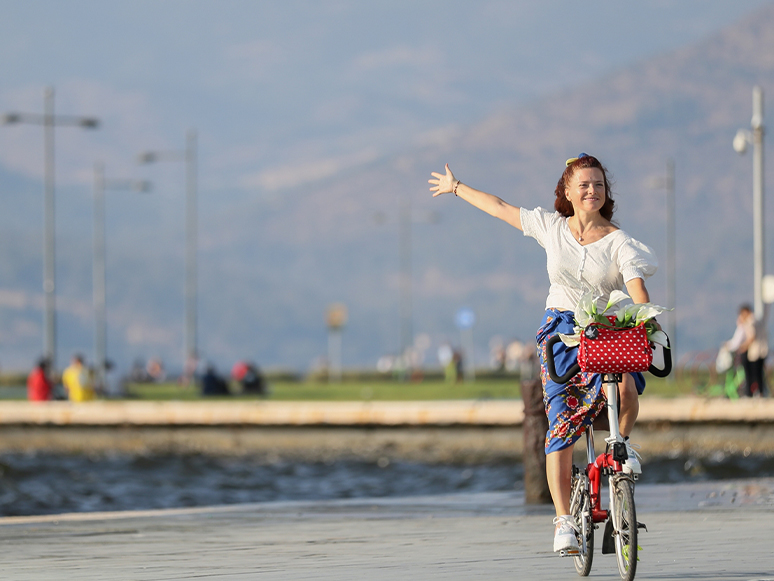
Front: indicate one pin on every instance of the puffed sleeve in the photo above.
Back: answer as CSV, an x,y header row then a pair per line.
x,y
536,223
636,260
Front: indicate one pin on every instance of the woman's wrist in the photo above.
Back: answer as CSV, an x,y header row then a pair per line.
x,y
454,188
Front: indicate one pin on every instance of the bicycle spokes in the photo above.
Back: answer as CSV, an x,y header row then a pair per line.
x,y
624,517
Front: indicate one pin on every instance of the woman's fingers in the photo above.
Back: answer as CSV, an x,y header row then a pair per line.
x,y
442,184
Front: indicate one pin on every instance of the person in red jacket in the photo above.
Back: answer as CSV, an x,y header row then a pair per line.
x,y
39,387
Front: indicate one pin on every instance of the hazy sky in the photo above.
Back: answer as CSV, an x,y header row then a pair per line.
x,y
285,92
282,94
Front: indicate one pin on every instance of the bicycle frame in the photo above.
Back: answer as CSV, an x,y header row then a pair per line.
x,y
609,462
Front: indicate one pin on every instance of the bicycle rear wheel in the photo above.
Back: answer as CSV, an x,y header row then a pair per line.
x,y
580,508
624,518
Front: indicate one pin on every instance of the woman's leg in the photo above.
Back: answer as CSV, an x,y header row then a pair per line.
x,y
762,374
748,375
630,405
758,378
630,409
559,473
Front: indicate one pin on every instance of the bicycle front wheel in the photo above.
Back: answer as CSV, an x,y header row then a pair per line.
x,y
624,527
580,507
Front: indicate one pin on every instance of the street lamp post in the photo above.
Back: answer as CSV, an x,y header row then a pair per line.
x,y
336,318
668,184
49,121
406,278
405,251
741,140
99,264
406,222
189,156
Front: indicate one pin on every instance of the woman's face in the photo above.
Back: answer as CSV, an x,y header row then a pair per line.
x,y
586,190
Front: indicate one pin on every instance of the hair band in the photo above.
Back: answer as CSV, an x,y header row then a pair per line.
x,y
574,159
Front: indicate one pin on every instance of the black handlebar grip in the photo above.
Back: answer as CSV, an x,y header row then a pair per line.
x,y
571,372
667,363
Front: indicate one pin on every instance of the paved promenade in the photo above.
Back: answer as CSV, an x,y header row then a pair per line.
x,y
713,531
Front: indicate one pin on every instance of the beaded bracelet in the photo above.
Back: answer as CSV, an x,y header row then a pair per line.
x,y
454,189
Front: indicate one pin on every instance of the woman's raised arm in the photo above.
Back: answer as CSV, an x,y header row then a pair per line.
x,y
492,205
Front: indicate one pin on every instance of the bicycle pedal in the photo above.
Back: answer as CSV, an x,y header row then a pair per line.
x,y
569,552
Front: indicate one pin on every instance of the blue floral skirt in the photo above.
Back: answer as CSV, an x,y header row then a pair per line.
x,y
570,408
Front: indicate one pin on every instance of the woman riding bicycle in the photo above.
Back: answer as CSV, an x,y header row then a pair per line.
x,y
585,252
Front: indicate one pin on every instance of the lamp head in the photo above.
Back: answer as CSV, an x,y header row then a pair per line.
x,y
741,139
11,118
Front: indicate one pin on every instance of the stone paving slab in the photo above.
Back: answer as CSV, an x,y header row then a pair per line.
x,y
713,531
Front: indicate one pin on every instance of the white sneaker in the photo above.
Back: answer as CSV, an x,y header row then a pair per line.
x,y
564,536
632,464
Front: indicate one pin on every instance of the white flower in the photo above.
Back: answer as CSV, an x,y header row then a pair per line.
x,y
648,311
570,340
626,316
615,297
659,338
585,312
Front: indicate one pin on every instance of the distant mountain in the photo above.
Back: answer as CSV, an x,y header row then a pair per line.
x,y
686,105
271,263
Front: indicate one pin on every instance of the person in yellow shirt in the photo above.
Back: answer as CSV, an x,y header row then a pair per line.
x,y
77,382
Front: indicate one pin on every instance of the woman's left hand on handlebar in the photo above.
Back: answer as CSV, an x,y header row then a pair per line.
x,y
442,184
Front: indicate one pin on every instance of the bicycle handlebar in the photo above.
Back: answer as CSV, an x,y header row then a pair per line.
x,y
667,362
575,368
571,372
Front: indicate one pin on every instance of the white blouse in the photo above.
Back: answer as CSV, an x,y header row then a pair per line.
x,y
573,269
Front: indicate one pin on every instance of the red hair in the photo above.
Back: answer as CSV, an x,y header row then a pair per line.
x,y
563,205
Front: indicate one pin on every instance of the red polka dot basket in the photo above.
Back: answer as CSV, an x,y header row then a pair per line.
x,y
607,349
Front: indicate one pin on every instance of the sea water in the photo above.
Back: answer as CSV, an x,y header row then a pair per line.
x,y
45,483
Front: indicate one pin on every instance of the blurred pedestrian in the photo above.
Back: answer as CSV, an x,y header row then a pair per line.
x,y
39,387
750,345
497,354
249,376
155,370
458,365
77,381
212,383
114,386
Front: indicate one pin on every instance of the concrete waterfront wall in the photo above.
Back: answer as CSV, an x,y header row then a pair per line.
x,y
442,431
371,413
